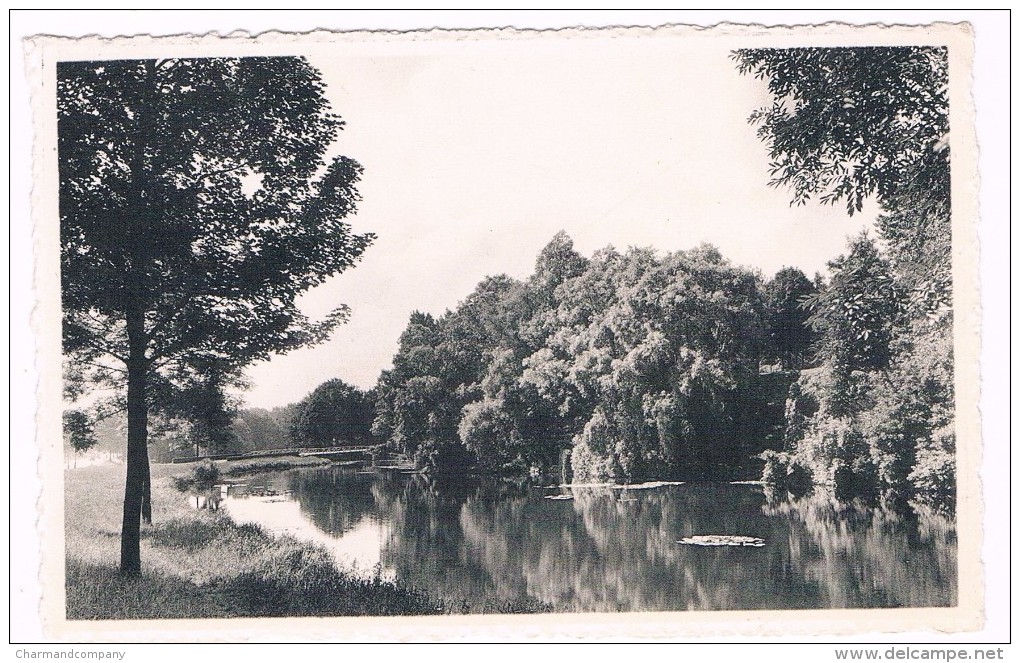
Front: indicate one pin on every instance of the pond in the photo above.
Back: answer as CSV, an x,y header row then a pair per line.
x,y
601,548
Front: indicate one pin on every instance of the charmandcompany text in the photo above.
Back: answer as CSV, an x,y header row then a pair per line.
x,y
70,653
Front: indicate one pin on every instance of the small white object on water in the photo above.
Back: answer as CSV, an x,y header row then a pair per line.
x,y
559,497
647,485
723,540
620,486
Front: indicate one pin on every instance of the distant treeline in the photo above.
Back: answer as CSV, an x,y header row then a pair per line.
x,y
334,414
637,365
640,366
632,365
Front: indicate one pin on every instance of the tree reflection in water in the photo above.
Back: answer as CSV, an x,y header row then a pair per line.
x,y
610,549
863,555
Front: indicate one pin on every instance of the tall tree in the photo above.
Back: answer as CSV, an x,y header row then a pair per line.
x,y
856,314
786,315
196,203
848,123
639,365
334,413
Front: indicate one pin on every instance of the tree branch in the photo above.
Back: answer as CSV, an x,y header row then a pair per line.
x,y
96,344
161,324
221,171
105,367
106,414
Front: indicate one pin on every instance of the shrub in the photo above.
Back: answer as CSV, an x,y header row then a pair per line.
x,y
203,477
593,459
935,471
783,471
776,466
853,472
798,479
587,466
801,406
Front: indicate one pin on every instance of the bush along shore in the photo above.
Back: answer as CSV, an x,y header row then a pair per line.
x,y
200,564
208,472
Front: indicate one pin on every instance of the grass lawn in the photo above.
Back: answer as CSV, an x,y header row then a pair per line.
x,y
201,564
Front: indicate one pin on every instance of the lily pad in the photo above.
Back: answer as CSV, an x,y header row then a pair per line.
x,y
723,540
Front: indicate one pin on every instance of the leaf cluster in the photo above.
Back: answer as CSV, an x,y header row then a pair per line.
x,y
848,123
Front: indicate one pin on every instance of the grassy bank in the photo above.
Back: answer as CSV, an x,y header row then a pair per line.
x,y
235,468
251,465
201,564
225,469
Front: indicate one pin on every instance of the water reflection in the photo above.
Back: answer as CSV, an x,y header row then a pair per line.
x,y
297,504
607,549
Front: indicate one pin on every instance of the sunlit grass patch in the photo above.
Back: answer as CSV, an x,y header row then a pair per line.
x,y
100,592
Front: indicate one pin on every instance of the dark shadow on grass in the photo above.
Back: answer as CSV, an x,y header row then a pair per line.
x,y
322,591
99,592
190,536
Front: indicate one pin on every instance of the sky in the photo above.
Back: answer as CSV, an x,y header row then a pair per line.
x,y
476,153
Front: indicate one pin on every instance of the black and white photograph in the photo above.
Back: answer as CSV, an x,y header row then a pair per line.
x,y
508,327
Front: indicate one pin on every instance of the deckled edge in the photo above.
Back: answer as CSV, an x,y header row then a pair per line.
x,y
440,34
965,215
646,625
46,328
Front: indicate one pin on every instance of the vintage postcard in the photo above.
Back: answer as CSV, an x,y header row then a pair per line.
x,y
649,333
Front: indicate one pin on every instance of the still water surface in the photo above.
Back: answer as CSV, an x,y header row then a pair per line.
x,y
612,548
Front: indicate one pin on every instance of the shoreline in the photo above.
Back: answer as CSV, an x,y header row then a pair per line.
x,y
200,564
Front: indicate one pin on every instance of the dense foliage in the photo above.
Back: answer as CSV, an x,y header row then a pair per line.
x,y
847,124
636,365
260,429
335,413
787,296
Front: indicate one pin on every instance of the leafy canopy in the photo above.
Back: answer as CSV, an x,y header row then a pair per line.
x,y
335,413
846,123
199,191
635,363
786,314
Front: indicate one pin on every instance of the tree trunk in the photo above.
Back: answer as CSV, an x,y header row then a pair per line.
x,y
137,501
137,445
146,488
